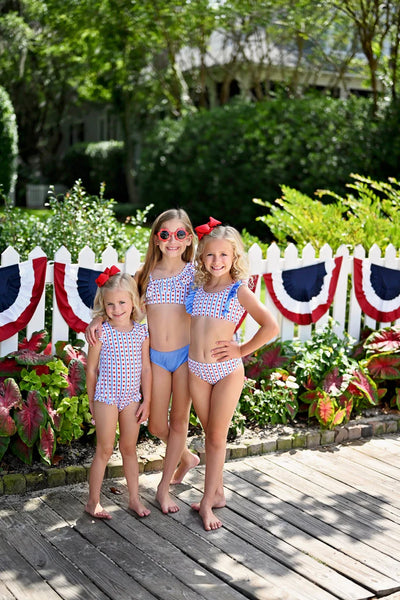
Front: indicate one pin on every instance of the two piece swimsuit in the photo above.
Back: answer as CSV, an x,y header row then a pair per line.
x,y
170,290
219,305
120,365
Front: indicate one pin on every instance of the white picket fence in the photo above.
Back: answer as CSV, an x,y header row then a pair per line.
x,y
345,309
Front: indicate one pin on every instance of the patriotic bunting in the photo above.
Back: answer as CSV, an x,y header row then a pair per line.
x,y
75,288
304,294
377,290
21,288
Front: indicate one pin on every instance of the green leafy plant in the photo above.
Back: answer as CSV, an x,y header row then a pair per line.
x,y
368,214
42,398
320,376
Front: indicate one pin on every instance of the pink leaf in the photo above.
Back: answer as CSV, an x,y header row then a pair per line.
x,y
30,418
55,417
7,424
22,451
384,366
325,409
384,340
12,394
46,443
38,341
76,378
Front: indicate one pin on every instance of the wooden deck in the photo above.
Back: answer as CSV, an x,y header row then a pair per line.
x,y
302,525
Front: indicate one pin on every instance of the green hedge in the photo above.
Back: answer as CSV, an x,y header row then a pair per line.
x,y
95,163
215,162
8,143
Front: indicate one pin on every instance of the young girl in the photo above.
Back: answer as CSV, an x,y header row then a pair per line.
x,y
118,364
164,281
216,374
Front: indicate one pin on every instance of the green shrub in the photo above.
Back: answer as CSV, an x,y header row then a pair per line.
x,y
95,163
215,162
368,214
8,143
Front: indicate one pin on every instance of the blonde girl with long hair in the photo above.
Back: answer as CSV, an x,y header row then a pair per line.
x,y
220,298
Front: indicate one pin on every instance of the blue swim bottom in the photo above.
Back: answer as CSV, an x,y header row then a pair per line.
x,y
214,372
170,361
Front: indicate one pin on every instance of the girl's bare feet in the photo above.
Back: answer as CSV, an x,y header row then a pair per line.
x,y
97,511
139,508
165,501
189,461
210,521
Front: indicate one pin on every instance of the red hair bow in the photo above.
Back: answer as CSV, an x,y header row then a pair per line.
x,y
207,228
106,274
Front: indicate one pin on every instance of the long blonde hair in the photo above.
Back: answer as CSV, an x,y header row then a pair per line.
x,y
121,281
240,266
154,254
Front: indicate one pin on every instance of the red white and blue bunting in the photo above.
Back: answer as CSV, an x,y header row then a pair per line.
x,y
75,289
21,288
377,290
304,294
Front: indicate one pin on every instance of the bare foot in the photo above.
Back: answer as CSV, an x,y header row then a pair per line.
x,y
210,521
187,463
97,511
139,508
219,502
166,503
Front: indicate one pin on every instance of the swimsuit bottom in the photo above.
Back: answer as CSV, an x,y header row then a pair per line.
x,y
170,361
120,404
214,372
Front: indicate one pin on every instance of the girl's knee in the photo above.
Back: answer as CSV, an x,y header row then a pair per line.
x,y
105,452
158,430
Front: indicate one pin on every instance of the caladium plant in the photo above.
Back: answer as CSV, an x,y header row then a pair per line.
x,y
336,378
42,398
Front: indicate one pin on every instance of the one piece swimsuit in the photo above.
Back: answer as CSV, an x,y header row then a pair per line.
x,y
170,290
120,365
218,305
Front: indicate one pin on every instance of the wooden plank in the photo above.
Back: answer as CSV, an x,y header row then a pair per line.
x,y
168,556
322,461
383,568
5,594
328,490
103,572
365,457
267,576
367,524
27,532
19,577
267,515
275,539
327,522
139,566
383,452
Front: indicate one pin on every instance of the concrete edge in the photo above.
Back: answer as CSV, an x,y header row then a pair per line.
x,y
50,477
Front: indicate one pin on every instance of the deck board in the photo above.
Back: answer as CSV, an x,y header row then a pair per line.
x,y
321,524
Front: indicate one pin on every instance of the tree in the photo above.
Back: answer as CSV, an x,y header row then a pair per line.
x,y
8,143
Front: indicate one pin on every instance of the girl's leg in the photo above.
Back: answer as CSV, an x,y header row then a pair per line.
x,y
129,431
106,417
224,397
176,449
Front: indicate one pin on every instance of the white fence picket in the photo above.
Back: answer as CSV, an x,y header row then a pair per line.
x,y
345,309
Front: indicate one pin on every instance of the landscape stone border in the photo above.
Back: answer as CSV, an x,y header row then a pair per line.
x,y
50,477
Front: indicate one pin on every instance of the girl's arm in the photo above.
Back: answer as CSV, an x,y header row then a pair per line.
x,y
91,372
143,410
227,349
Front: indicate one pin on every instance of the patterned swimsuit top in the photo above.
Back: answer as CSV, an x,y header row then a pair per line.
x,y
170,290
218,305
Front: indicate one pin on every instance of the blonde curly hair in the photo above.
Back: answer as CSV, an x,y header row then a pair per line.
x,y
240,267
